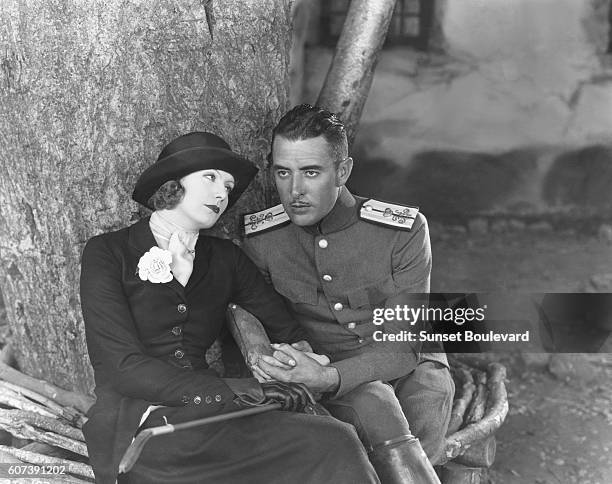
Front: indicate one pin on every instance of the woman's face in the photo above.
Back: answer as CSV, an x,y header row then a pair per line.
x,y
205,198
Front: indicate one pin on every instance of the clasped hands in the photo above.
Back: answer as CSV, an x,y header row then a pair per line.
x,y
297,363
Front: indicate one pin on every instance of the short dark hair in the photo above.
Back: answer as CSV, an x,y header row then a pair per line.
x,y
167,196
306,122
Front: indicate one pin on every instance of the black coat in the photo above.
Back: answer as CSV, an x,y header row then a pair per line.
x,y
147,340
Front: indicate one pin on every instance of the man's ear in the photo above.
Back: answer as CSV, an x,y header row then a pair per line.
x,y
343,172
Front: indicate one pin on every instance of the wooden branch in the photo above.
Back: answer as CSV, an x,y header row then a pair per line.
x,y
63,397
494,416
12,399
479,400
44,423
67,413
461,403
22,430
76,468
350,75
480,454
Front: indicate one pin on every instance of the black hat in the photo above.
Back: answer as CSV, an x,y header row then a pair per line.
x,y
193,152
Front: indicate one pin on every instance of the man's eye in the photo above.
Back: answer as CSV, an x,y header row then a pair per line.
x,y
211,176
311,173
282,173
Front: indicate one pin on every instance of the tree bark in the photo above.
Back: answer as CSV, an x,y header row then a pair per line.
x,y
350,75
90,91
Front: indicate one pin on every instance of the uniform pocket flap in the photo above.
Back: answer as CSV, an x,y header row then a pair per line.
x,y
373,294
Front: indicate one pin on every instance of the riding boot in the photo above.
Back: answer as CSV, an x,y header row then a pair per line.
x,y
403,461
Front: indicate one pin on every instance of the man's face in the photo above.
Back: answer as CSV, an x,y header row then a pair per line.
x,y
306,178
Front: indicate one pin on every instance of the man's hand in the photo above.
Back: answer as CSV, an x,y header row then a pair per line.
x,y
301,345
306,370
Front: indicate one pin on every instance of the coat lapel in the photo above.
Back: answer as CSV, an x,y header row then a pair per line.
x,y
141,239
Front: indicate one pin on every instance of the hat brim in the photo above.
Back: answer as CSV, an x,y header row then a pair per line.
x,y
184,162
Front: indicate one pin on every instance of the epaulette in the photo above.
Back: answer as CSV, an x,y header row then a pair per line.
x,y
388,214
259,222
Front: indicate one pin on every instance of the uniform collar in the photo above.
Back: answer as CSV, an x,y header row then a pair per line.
x,y
344,213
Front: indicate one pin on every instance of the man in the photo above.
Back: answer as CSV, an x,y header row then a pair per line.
x,y
336,259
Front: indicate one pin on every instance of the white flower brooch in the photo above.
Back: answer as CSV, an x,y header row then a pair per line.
x,y
154,266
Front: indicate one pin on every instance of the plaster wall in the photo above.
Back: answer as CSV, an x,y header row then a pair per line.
x,y
527,76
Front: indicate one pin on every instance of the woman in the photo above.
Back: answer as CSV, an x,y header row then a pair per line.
x,y
154,297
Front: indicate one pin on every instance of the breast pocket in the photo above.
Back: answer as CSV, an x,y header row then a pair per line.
x,y
295,291
372,295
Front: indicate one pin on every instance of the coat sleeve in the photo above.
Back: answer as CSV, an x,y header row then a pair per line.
x,y
258,297
387,361
117,355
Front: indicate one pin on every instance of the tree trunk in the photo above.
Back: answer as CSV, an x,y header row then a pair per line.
x,y
90,91
350,75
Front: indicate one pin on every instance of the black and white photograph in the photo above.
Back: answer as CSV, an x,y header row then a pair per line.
x,y
306,241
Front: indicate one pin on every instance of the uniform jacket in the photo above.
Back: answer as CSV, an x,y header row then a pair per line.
x,y
334,274
147,341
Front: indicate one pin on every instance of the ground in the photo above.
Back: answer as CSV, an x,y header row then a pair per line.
x,y
559,426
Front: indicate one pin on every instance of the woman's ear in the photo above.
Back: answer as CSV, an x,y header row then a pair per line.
x,y
343,171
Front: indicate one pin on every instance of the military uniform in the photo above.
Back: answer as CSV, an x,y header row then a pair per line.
x,y
363,255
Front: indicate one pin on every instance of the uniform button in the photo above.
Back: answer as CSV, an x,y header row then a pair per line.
x,y
368,208
179,354
361,340
323,243
176,331
185,399
327,278
181,308
338,306
197,399
208,399
217,398
351,325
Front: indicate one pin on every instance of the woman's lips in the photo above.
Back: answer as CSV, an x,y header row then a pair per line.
x,y
214,208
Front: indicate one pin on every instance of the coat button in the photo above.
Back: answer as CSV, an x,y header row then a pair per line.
x,y
217,398
327,278
208,399
338,306
351,325
181,308
185,399
323,244
176,331
197,399
179,354
361,340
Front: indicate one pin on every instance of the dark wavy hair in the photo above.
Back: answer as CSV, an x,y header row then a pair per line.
x,y
167,196
305,122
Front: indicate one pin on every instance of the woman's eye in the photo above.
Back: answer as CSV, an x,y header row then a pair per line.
x,y
229,188
211,176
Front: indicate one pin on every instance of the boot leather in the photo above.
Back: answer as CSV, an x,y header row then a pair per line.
x,y
403,461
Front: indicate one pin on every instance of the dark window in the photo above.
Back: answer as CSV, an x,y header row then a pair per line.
x,y
410,24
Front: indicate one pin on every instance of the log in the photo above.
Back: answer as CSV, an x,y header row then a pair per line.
x,y
12,399
461,403
477,406
76,468
67,413
44,423
480,454
7,458
22,430
494,416
249,334
47,449
63,397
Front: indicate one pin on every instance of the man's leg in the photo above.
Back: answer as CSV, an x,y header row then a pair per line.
x,y
375,412
426,397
